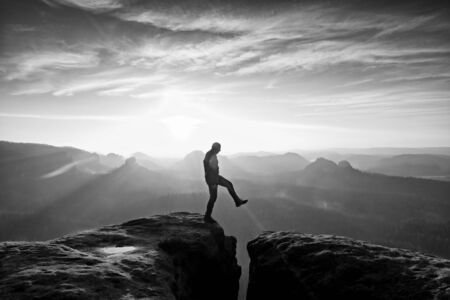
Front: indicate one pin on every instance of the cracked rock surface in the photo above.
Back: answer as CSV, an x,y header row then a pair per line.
x,y
292,265
174,256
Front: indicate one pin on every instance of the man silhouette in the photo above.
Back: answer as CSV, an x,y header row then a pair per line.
x,y
213,179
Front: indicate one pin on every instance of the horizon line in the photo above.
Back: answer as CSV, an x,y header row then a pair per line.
x,y
277,152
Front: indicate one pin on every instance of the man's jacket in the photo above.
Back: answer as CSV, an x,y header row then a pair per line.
x,y
211,166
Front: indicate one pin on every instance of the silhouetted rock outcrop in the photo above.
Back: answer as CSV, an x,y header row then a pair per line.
x,y
289,265
175,256
131,161
321,165
345,164
112,160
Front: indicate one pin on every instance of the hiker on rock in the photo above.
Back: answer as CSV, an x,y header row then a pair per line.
x,y
213,179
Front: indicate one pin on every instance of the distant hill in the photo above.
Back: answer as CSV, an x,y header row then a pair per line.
x,y
146,161
417,165
13,151
324,173
107,198
270,164
33,175
111,160
377,151
191,165
432,166
359,161
232,170
88,161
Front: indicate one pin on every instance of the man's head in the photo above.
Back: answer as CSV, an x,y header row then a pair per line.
x,y
215,147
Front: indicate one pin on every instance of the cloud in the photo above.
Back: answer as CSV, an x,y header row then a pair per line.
x,y
117,91
192,56
364,104
30,64
112,82
210,21
355,83
290,40
409,24
329,53
90,5
236,40
104,84
33,89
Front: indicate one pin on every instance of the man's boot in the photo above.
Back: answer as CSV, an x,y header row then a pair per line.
x,y
240,202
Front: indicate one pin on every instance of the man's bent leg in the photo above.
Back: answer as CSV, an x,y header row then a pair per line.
x,y
226,183
212,200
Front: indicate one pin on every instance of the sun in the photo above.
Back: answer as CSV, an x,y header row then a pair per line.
x,y
178,113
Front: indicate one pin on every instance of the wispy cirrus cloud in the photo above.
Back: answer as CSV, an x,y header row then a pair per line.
x,y
353,105
38,63
35,88
91,5
329,53
104,85
235,41
194,21
302,39
293,39
113,82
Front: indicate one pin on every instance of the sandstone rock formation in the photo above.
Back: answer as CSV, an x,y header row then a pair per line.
x,y
175,256
289,265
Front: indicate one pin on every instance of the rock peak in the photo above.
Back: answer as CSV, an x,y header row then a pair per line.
x,y
322,165
291,265
345,164
174,256
131,161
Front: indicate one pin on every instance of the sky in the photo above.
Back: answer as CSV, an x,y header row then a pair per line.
x,y
168,77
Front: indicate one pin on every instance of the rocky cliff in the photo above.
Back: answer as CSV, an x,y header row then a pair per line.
x,y
289,265
175,256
